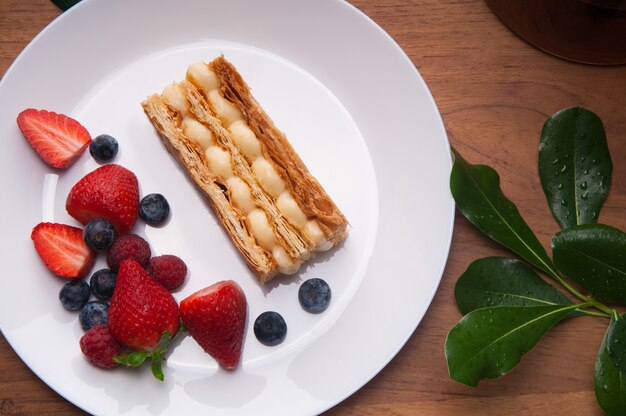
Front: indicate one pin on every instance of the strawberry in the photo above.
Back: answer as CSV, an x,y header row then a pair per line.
x,y
58,139
216,317
62,249
143,316
110,192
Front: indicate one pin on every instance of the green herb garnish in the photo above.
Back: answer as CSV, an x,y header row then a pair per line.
x,y
508,305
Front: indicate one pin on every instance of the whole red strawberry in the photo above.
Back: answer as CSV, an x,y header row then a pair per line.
x,y
58,139
110,192
141,309
216,317
143,315
63,250
100,347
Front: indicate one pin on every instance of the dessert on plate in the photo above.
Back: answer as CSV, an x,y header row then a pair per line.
x,y
275,212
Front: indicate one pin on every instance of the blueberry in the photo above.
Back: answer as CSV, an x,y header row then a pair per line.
x,y
314,295
99,234
102,283
94,313
154,209
103,148
270,328
74,295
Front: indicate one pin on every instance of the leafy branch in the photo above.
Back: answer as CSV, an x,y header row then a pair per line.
x,y
508,305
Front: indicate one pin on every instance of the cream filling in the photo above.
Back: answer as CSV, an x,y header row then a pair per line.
x,y
198,132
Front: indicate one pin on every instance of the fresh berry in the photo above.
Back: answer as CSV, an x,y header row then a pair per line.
x,y
141,309
110,192
129,246
216,317
100,347
102,283
93,313
270,328
103,148
74,294
99,234
62,249
168,270
58,139
154,209
314,295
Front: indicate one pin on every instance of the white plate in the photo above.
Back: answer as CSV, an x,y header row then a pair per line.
x,y
358,113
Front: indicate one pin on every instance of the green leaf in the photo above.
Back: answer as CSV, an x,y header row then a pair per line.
x,y
156,366
476,191
489,342
574,166
65,4
164,342
499,281
594,256
616,343
610,382
133,359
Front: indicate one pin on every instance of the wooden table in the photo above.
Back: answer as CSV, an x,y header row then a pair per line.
x,y
494,92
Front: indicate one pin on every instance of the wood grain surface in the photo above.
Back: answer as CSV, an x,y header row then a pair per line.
x,y
494,92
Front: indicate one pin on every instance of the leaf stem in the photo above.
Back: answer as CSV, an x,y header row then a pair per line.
x,y
594,313
567,286
600,306
594,302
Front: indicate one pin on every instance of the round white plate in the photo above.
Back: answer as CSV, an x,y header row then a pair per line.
x,y
355,109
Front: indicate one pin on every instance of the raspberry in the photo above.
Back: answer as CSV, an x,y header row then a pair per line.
x,y
168,270
128,246
100,347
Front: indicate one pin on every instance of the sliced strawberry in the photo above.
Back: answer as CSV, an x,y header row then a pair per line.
x,y
110,192
62,249
216,317
58,139
143,316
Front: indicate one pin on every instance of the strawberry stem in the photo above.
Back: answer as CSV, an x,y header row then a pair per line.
x,y
137,358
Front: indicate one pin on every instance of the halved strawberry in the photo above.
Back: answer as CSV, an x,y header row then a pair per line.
x,y
216,318
110,192
62,249
143,316
58,139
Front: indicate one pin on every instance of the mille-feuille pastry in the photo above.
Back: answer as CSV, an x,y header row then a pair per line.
x,y
276,213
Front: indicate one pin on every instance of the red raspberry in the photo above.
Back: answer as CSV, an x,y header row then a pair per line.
x,y
128,246
168,270
100,347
